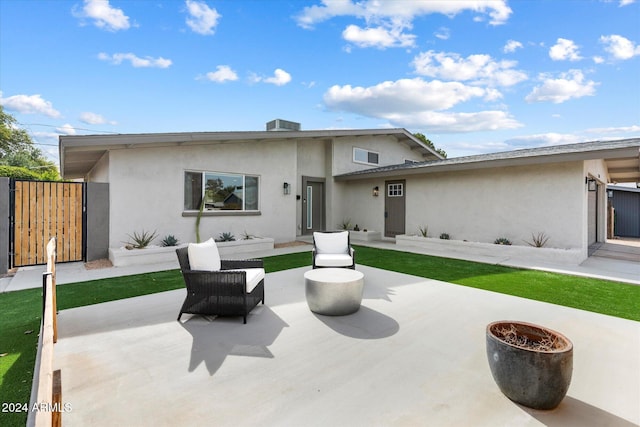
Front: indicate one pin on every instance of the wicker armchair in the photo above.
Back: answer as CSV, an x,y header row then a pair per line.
x,y
221,293
333,249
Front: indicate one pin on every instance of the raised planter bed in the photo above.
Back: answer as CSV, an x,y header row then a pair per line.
x,y
436,246
121,257
364,236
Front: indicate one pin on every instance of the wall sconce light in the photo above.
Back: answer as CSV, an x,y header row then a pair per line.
x,y
376,191
592,185
610,194
286,188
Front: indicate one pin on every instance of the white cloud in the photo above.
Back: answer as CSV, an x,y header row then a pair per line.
x,y
405,11
623,129
415,103
280,78
378,37
202,19
626,2
474,68
542,140
29,104
94,119
137,62
443,33
569,85
386,21
222,74
620,47
511,46
404,95
445,122
66,129
564,50
104,15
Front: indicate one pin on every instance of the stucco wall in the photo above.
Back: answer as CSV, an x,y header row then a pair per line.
x,y
360,206
391,152
346,203
311,161
146,189
596,169
100,172
483,205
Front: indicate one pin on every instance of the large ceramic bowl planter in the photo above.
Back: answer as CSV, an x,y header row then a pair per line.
x,y
531,364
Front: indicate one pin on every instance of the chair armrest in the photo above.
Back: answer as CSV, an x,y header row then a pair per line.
x,y
236,264
219,283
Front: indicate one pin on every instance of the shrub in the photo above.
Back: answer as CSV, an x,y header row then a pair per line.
x,y
169,240
346,224
424,231
538,240
226,237
18,172
502,241
444,236
142,240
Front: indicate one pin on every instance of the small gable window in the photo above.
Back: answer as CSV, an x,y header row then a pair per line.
x,y
367,157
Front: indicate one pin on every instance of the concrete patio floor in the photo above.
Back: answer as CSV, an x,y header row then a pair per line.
x,y
413,355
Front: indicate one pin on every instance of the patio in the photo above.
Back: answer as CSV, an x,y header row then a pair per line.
x,y
414,354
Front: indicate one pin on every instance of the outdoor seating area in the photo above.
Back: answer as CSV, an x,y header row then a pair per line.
x,y
219,287
413,354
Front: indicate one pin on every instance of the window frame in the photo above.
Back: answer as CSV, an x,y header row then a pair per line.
x,y
221,211
368,153
395,189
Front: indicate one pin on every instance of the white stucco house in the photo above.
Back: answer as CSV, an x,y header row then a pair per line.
x,y
284,184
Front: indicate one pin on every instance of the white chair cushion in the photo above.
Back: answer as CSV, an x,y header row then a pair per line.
x,y
333,260
332,243
204,256
254,276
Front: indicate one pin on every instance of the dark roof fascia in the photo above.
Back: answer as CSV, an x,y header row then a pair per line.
x,y
554,154
621,188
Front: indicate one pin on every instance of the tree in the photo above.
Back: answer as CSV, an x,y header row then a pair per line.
x,y
428,142
17,150
11,137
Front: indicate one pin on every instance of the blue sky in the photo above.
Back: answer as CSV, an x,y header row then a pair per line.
x,y
473,76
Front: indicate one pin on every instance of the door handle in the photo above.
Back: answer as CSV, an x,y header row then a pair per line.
x,y
386,214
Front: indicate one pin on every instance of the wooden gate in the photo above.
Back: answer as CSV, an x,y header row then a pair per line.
x,y
41,210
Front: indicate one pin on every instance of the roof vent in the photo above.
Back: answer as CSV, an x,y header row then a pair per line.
x,y
280,125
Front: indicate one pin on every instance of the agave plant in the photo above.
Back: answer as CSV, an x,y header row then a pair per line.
x,y
142,240
502,241
226,237
538,240
169,240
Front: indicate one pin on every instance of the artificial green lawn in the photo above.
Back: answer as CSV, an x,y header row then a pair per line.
x,y
20,311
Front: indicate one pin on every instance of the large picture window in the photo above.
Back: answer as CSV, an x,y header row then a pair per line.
x,y
221,191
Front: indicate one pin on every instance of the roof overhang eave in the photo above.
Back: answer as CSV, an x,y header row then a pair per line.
x,y
446,166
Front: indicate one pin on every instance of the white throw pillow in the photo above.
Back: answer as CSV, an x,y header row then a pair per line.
x,y
204,256
332,243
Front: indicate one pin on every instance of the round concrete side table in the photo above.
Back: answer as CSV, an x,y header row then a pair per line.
x,y
334,291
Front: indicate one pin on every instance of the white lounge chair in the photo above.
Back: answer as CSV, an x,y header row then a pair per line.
x,y
333,249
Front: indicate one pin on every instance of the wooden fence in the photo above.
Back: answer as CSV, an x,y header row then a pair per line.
x,y
42,210
47,409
